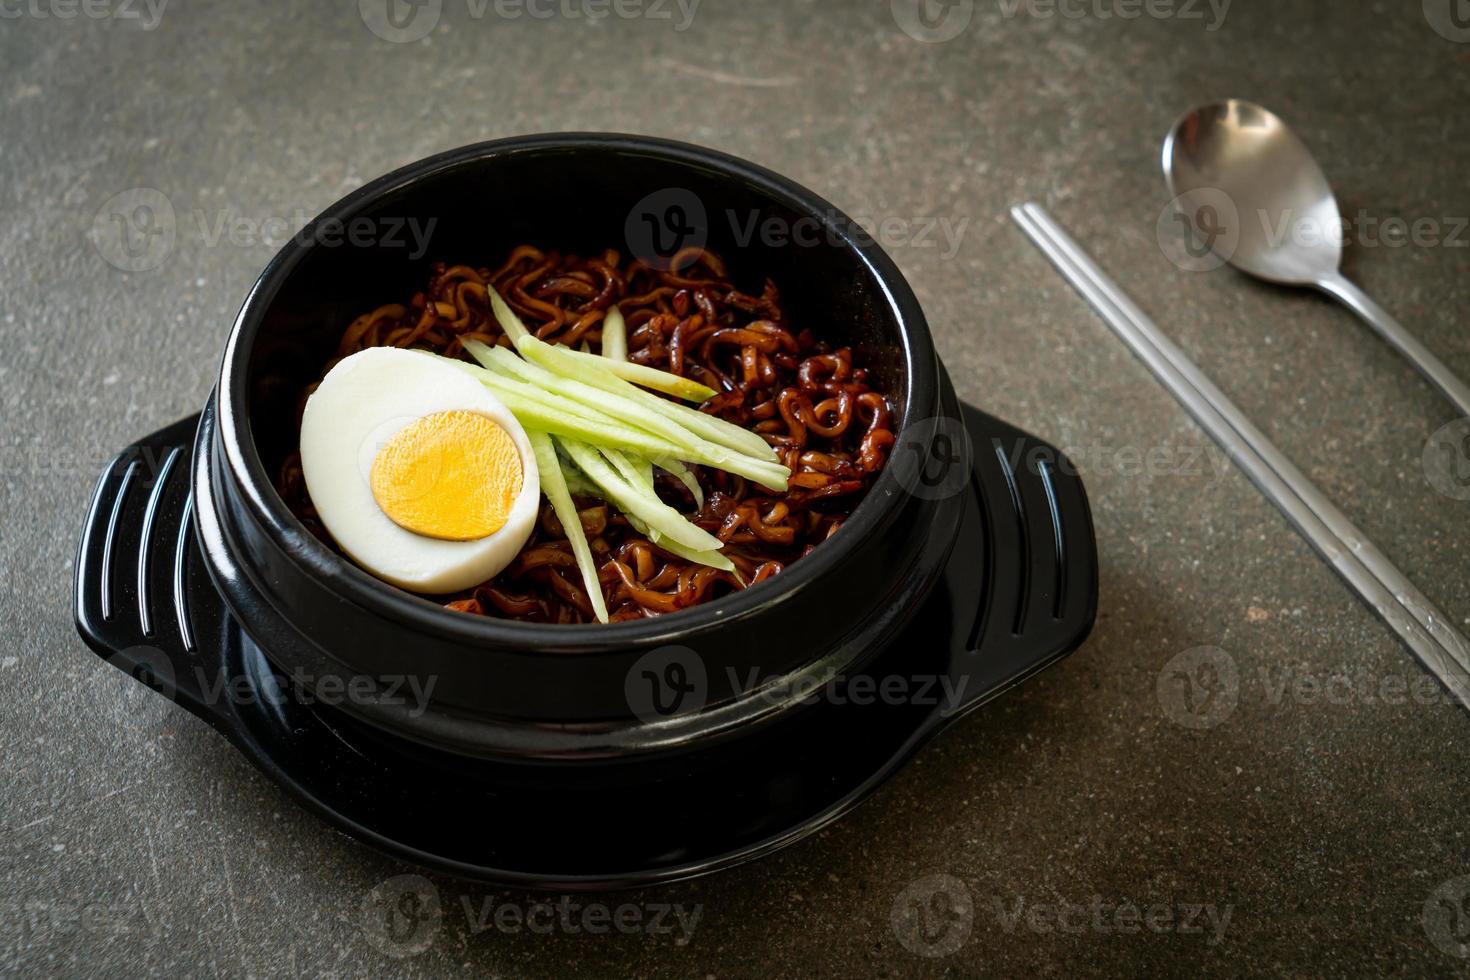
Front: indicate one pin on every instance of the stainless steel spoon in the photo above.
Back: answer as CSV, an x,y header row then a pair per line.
x,y
1290,230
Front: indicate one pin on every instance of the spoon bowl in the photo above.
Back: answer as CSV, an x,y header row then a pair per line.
x,y
1249,187
1290,230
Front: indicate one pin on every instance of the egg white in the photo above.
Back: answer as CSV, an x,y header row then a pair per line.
x,y
359,407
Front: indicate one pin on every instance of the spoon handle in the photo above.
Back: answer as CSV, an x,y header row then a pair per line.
x,y
1404,342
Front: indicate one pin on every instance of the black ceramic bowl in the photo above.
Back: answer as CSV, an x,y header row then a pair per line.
x,y
735,727
505,688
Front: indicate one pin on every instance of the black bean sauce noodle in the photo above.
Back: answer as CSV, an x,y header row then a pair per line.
x,y
809,401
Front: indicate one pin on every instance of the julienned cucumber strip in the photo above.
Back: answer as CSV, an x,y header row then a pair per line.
x,y
497,380
670,384
628,468
642,469
648,377
536,407
607,374
534,412
631,466
713,559
534,415
506,317
589,402
558,413
634,469
655,513
717,430
651,377
593,371
642,528
630,471
614,336
773,476
684,475
554,485
577,482
610,404
638,472
665,381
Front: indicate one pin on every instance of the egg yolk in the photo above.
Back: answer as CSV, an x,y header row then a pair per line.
x,y
451,475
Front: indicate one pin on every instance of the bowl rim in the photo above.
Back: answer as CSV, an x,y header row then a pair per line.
x,y
271,515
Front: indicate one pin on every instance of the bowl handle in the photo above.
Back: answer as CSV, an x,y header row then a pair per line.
x,y
1039,595
142,596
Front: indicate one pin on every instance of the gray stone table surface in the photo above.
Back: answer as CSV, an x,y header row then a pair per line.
x,y
1315,828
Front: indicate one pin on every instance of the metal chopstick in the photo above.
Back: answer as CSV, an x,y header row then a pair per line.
x,y
1422,627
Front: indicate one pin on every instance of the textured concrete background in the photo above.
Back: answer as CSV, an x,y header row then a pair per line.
x,y
1329,828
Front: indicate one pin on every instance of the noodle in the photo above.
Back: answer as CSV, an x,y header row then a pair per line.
x,y
808,400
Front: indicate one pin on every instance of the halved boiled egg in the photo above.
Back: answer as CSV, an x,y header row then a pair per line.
x,y
421,475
